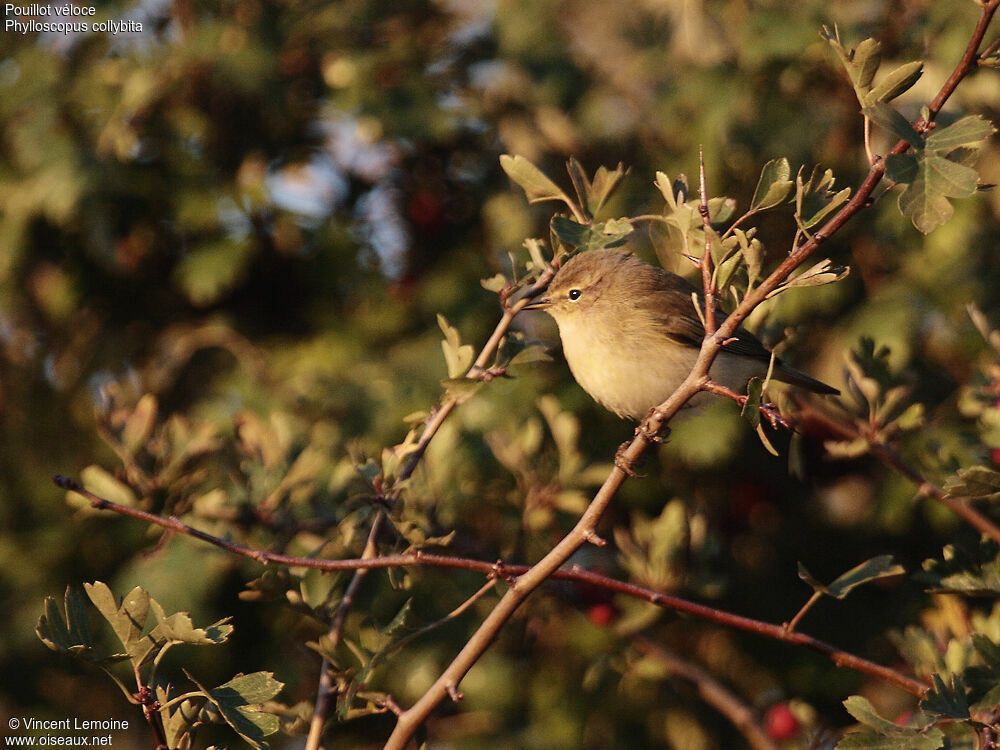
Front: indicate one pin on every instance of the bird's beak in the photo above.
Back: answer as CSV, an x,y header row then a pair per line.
x,y
541,303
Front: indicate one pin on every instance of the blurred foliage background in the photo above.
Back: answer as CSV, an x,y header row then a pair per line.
x,y
253,211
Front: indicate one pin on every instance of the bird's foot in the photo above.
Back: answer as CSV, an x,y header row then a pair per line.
x,y
625,463
649,435
775,418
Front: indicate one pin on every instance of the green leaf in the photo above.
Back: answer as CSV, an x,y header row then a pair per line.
x,y
127,620
950,178
925,200
104,484
609,234
940,168
140,423
860,63
814,198
897,82
902,168
674,192
751,409
458,357
978,482
818,275
209,271
773,187
892,121
862,710
882,734
495,283
399,620
882,566
532,180
461,389
865,61
239,703
667,239
962,572
594,194
604,184
946,700
968,131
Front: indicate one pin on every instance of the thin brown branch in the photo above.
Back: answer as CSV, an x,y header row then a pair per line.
x,y
739,713
324,691
146,697
768,411
516,574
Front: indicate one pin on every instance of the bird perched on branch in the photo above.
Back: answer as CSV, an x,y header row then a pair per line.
x,y
631,334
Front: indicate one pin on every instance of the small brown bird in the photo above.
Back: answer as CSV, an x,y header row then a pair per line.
x,y
631,335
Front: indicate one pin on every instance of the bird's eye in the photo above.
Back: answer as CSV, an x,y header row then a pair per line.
x,y
574,294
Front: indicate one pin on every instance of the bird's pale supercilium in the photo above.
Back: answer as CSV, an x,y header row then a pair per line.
x,y
631,335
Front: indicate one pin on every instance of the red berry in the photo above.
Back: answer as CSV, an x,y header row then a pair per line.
x,y
602,614
780,723
995,456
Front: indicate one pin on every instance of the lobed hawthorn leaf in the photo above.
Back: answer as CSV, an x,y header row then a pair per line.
x,y
881,734
814,198
946,700
127,620
862,710
668,241
69,631
604,183
594,194
674,192
940,166
239,703
961,572
924,206
861,62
